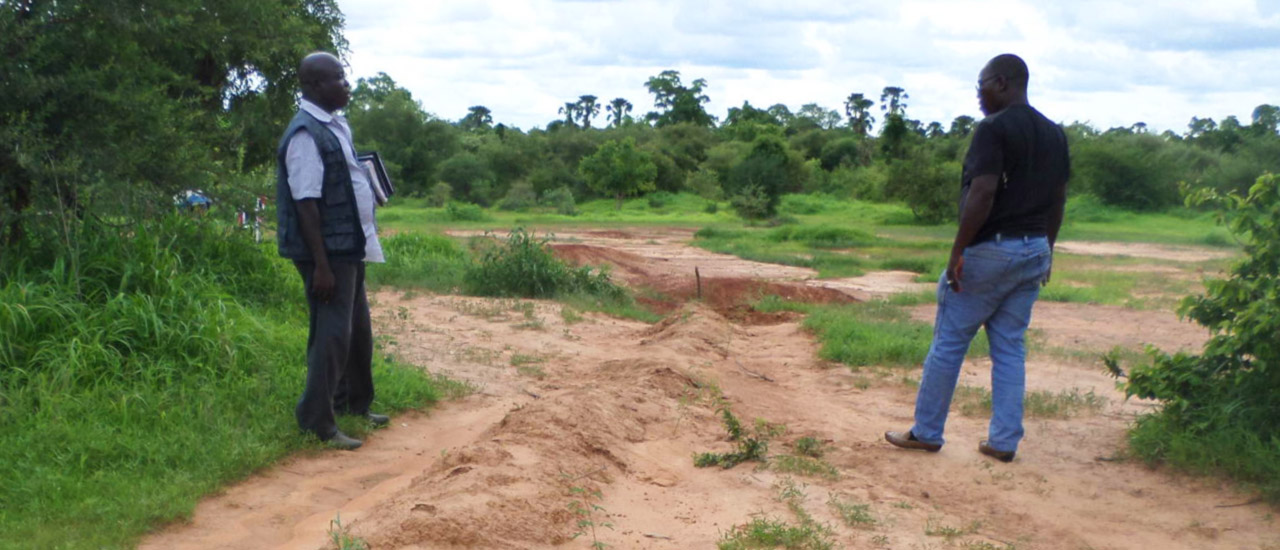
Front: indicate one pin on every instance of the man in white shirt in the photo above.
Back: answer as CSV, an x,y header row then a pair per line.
x,y
325,205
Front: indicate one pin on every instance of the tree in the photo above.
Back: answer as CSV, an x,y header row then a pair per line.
x,y
1266,120
619,169
679,103
858,109
570,112
387,119
812,115
587,109
196,91
618,110
759,180
781,114
962,126
934,130
478,118
893,101
1200,126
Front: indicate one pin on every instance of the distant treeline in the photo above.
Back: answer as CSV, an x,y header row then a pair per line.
x,y
112,107
866,152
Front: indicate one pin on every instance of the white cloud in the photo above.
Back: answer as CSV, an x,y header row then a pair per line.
x,y
1109,63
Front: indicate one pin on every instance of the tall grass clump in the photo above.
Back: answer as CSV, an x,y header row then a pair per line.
x,y
524,266
822,236
415,260
143,368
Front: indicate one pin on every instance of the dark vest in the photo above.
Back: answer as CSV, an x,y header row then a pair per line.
x,y
340,220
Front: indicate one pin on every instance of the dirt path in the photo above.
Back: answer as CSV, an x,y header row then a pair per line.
x,y
565,409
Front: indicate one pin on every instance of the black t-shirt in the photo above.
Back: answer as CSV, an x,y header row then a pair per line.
x,y
1028,153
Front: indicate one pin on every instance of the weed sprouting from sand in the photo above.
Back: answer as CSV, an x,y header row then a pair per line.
x,y
752,446
342,539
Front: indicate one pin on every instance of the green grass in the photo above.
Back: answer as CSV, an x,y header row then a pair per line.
x,y
976,401
804,465
163,366
874,333
763,532
852,513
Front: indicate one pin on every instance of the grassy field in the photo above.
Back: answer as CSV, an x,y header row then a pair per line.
x,y
146,370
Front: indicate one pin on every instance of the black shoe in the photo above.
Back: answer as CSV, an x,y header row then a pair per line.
x,y
908,441
344,442
1002,456
378,420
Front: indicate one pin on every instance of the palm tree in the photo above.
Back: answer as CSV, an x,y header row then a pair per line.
x,y
618,109
570,111
587,109
858,108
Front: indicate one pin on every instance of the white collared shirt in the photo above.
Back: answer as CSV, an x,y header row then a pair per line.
x,y
306,173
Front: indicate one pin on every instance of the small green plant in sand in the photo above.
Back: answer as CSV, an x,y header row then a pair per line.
x,y
853,513
342,539
585,506
804,465
976,401
934,527
751,446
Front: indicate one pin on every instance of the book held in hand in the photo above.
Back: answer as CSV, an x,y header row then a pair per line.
x,y
381,182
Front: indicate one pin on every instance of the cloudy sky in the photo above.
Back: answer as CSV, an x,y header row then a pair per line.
x,y
1109,63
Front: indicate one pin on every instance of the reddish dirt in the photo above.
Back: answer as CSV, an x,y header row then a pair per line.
x,y
563,410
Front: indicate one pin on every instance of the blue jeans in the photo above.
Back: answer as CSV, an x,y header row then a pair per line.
x,y
1000,282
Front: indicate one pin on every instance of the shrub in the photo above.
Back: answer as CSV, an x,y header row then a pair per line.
x,y
706,183
752,203
520,197
930,188
803,204
524,266
561,198
464,212
1219,408
439,195
659,199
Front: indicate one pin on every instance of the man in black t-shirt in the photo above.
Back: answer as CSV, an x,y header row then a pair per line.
x,y
1013,192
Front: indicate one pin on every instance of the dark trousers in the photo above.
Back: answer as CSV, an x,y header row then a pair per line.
x,y
339,351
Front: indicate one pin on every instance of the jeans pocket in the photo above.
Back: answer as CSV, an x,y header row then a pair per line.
x,y
983,269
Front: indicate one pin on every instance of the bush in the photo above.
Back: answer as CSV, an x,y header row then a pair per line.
x,y
705,183
1219,408
1085,207
1128,171
561,198
752,203
711,207
931,189
521,196
803,204
464,212
439,195
523,266
659,199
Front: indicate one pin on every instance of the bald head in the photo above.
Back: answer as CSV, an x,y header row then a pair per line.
x,y
1002,82
324,82
1012,68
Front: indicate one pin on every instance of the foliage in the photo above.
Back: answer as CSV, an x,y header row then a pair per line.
x,y
124,350
748,446
759,180
679,103
440,194
561,198
387,119
1219,407
931,189
196,94
415,260
520,196
464,212
524,266
619,169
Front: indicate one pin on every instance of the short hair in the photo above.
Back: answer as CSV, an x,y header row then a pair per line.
x,y
1012,68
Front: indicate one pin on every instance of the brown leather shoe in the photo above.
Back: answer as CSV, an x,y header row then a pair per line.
x,y
1002,456
908,440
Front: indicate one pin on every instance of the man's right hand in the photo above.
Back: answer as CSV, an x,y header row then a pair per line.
x,y
322,283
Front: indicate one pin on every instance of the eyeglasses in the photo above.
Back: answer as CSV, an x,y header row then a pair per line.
x,y
982,81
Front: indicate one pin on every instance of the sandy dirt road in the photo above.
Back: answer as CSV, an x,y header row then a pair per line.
x,y
565,408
